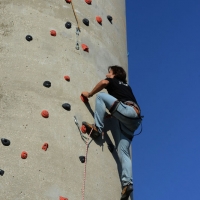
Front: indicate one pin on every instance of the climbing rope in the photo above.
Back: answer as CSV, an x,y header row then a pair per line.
x,y
75,15
78,30
84,176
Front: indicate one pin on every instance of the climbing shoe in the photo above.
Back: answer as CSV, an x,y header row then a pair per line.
x,y
95,133
126,191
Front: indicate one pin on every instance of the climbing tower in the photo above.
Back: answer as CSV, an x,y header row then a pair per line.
x,y
51,51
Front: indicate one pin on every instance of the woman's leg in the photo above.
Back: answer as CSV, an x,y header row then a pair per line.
x,y
124,157
103,101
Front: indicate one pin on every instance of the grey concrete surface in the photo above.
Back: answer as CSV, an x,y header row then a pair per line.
x,y
24,66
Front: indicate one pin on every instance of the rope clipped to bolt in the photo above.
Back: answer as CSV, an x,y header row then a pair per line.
x,y
84,176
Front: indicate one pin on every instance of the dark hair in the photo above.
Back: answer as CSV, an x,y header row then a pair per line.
x,y
119,72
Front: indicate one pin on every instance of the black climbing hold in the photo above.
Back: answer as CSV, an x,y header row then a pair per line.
x,y
68,25
111,147
1,172
29,38
47,84
82,158
110,18
5,142
86,21
66,106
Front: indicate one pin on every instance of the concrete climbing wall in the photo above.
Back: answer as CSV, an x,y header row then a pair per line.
x,y
24,66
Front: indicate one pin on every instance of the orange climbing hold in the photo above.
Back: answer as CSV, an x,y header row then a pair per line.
x,y
24,155
53,33
88,1
85,47
63,198
84,99
68,1
67,78
83,129
45,146
45,114
99,19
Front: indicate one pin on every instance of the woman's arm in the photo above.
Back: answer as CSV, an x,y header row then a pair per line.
x,y
100,86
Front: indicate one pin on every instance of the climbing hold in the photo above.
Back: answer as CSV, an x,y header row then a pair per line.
x,y
5,142
1,172
85,47
45,114
53,32
111,147
67,78
84,99
47,84
88,1
68,25
82,158
86,21
45,146
110,18
63,198
99,19
68,1
83,129
29,38
24,155
66,106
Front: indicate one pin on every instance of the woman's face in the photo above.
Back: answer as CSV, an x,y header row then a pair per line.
x,y
110,74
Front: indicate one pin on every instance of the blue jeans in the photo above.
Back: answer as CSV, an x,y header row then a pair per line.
x,y
125,127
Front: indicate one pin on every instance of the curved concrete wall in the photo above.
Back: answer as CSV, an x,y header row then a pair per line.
x,y
24,66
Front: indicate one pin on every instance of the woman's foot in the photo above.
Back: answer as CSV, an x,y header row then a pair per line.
x,y
95,133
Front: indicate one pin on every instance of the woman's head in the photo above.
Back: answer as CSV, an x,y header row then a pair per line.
x,y
117,72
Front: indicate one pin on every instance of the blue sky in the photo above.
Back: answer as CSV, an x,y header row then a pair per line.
x,y
164,72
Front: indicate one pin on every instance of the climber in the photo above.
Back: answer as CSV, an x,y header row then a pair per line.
x,y
122,105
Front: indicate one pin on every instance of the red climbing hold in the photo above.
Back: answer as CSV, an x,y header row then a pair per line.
x,y
53,32
24,155
63,198
88,1
85,47
67,78
83,129
45,114
45,146
99,19
68,1
84,99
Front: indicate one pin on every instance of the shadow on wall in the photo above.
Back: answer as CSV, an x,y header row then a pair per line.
x,y
110,125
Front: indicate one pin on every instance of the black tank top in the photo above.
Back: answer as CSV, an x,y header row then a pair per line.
x,y
120,90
